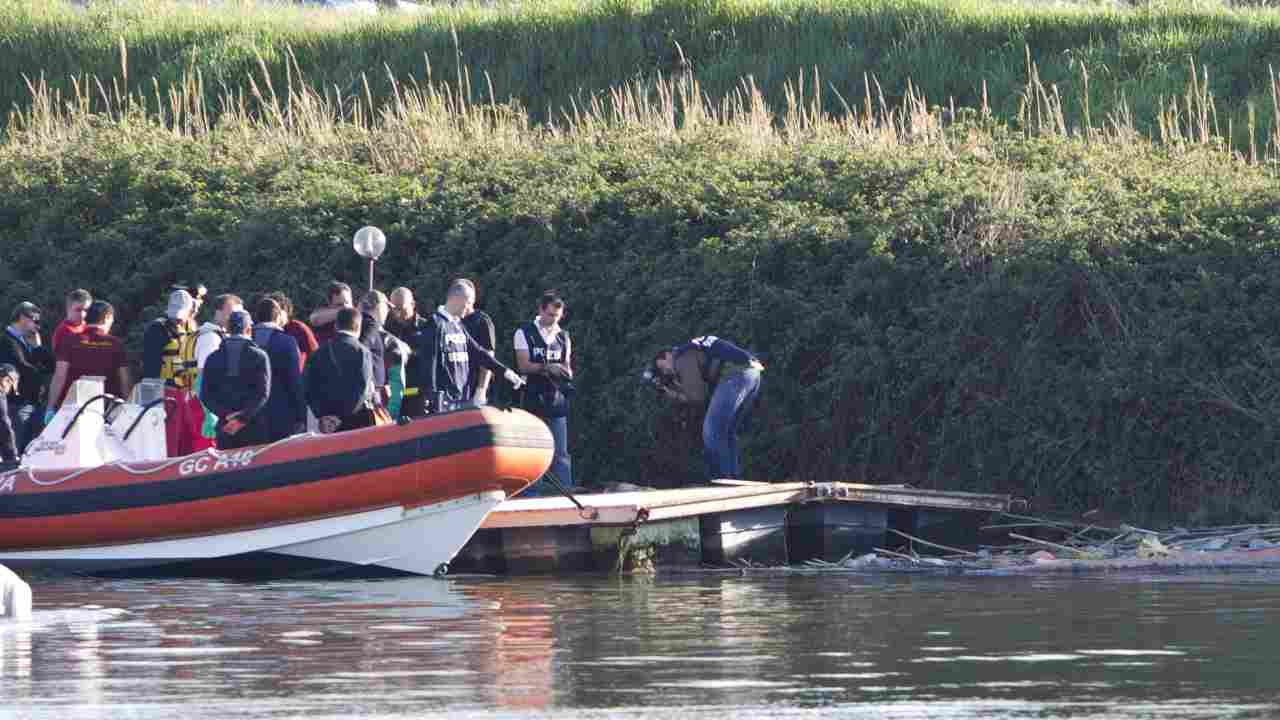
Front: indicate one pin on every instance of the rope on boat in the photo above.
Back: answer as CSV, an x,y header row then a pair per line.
x,y
121,464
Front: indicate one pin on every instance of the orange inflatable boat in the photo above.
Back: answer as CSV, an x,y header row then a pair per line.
x,y
399,497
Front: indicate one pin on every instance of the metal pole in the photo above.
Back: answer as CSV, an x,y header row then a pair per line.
x,y
371,261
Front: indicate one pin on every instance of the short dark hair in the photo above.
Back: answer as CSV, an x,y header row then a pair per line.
x,y
348,319
222,300
79,295
550,297
283,301
24,309
98,312
266,310
8,371
336,287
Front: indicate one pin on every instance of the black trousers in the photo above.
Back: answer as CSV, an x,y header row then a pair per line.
x,y
358,419
413,406
251,434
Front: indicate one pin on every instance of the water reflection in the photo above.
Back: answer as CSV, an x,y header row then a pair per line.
x,y
1189,646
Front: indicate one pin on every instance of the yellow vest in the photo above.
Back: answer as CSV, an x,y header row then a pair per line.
x,y
178,366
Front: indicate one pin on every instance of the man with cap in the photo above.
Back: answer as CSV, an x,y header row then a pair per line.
x,y
713,371
168,354
92,352
8,441
21,347
208,338
236,385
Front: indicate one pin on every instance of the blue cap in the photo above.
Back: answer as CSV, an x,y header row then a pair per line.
x,y
239,322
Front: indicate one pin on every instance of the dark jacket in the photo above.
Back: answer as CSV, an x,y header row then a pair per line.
x,y
35,366
371,338
286,405
8,441
339,378
480,327
446,351
237,378
544,395
701,362
408,332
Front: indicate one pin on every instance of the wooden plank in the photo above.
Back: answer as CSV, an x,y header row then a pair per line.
x,y
508,517
704,504
910,497
626,508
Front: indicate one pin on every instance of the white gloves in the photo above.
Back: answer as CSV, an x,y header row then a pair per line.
x,y
514,378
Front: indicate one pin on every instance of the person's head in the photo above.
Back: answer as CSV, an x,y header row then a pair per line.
x,y
197,294
286,305
664,362
375,303
402,305
78,302
8,379
550,307
180,306
239,324
338,294
223,306
460,300
100,315
267,312
25,318
348,320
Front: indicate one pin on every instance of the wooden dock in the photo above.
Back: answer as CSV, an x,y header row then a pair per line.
x,y
717,525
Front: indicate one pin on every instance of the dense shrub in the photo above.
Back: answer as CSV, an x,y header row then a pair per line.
x,y
1081,324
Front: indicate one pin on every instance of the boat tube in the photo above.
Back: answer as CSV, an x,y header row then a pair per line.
x,y
95,494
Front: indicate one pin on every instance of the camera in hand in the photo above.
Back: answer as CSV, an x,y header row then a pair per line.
x,y
656,379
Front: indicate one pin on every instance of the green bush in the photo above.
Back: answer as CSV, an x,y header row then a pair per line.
x,y
1081,324
1017,298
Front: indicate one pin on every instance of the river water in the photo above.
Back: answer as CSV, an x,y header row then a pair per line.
x,y
684,646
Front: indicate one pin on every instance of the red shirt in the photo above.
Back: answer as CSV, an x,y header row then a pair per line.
x,y
65,329
93,352
307,342
326,333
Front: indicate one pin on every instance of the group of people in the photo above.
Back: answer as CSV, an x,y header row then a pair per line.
x,y
251,378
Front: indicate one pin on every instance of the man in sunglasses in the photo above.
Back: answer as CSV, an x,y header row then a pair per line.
x,y
22,347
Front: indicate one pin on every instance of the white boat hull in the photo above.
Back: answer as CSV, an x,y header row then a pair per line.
x,y
420,540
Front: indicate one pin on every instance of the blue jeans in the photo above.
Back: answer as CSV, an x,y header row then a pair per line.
x,y
730,405
561,464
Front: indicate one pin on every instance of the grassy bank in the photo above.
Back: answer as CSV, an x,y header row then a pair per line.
x,y
1073,314
549,54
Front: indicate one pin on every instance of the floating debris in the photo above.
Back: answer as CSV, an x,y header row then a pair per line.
x,y
1084,547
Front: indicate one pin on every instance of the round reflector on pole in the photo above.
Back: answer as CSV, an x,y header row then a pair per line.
x,y
369,242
